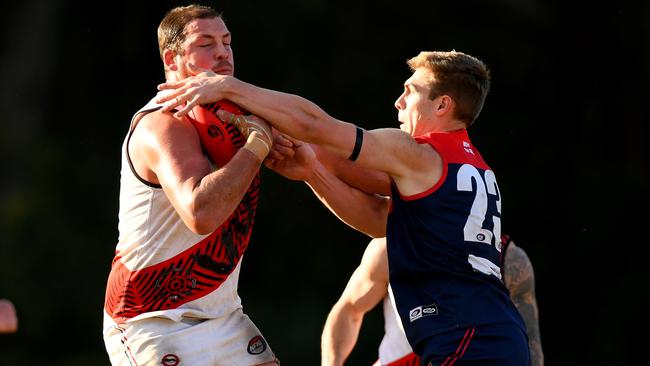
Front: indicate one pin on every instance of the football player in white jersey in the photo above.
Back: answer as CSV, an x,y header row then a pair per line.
x,y
185,221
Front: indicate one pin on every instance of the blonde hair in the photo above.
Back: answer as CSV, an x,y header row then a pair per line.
x,y
464,78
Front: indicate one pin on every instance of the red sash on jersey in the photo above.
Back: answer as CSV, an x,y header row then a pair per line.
x,y
204,266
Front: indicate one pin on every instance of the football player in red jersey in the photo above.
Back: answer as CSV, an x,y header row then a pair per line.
x,y
368,285
442,219
188,195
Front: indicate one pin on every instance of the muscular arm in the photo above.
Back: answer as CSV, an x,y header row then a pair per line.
x,y
520,280
167,151
413,167
363,211
364,179
360,208
366,288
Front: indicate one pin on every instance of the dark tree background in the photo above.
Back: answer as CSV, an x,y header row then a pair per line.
x,y
565,127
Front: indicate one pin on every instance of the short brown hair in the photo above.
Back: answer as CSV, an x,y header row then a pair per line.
x,y
464,78
171,31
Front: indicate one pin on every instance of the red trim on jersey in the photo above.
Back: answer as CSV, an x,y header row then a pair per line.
x,y
454,148
409,360
128,353
464,343
443,177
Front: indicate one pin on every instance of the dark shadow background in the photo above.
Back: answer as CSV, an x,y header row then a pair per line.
x,y
565,128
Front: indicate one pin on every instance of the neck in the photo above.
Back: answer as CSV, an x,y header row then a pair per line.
x,y
448,126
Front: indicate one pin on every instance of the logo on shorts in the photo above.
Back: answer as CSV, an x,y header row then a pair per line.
x,y
170,360
421,311
256,345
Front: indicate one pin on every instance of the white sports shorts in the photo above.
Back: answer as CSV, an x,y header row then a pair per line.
x,y
231,340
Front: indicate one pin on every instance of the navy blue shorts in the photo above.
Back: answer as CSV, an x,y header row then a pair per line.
x,y
497,344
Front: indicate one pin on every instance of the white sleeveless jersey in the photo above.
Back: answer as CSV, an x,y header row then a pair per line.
x,y
394,345
163,269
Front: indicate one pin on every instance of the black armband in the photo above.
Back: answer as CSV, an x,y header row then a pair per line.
x,y
357,145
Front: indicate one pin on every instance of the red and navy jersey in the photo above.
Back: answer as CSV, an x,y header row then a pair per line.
x,y
444,247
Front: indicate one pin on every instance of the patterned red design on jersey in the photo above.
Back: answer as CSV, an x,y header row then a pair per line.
x,y
202,268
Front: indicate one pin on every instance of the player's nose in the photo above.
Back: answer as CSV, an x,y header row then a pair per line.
x,y
399,103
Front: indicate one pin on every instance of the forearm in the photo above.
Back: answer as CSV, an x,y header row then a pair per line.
x,y
536,353
339,336
289,113
527,307
217,195
368,180
528,310
363,211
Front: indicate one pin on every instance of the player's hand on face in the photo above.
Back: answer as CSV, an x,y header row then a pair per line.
x,y
201,88
291,158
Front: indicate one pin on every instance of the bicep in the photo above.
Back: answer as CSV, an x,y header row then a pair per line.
x,y
174,154
394,152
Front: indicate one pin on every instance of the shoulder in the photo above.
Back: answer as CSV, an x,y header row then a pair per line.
x,y
414,165
160,126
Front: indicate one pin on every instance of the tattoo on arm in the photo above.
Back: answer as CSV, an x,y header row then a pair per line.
x,y
520,280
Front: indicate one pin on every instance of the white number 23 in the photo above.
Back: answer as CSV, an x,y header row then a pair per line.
x,y
485,190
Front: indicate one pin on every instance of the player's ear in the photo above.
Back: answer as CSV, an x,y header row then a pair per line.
x,y
444,105
169,59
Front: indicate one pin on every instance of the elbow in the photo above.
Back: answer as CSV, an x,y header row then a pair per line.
x,y
201,221
200,226
379,212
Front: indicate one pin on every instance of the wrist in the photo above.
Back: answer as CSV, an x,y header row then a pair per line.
x,y
227,87
256,144
316,174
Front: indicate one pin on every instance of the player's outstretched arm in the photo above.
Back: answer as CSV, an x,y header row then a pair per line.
x,y
363,211
520,280
366,288
391,150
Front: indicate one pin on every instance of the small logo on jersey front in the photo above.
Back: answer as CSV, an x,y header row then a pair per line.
x,y
422,311
480,237
215,132
467,147
170,360
256,345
